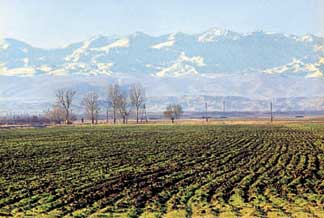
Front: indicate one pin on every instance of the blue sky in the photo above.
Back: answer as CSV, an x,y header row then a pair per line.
x,y
53,23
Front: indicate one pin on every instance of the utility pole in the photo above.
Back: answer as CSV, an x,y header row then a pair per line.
x,y
145,115
206,110
107,115
271,116
223,108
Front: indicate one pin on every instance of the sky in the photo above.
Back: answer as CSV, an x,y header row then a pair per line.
x,y
55,23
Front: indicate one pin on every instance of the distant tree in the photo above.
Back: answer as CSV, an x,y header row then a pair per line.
x,y
168,113
64,100
178,111
91,104
114,93
173,111
137,97
124,106
56,114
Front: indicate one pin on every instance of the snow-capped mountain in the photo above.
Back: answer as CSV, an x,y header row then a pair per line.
x,y
216,62
214,51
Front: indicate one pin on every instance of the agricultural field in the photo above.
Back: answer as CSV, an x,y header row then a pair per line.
x,y
163,171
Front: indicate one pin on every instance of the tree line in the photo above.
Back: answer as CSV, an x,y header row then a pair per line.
x,y
122,102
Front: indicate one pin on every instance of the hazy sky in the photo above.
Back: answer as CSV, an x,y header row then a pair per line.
x,y
52,23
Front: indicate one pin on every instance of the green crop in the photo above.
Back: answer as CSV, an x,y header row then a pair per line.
x,y
163,171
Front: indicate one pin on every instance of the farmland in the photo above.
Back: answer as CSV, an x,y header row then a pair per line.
x,y
163,171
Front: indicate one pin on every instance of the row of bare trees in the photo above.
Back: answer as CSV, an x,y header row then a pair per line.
x,y
120,100
123,102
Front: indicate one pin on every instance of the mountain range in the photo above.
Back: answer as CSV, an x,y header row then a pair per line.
x,y
218,62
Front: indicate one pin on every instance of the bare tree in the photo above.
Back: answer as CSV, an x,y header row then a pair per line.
x,y
114,93
168,113
124,106
137,97
91,104
173,111
64,100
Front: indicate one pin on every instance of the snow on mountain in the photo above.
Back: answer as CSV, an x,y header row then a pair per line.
x,y
315,74
120,43
21,71
169,43
184,66
306,38
197,60
294,66
3,45
95,43
214,34
178,70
